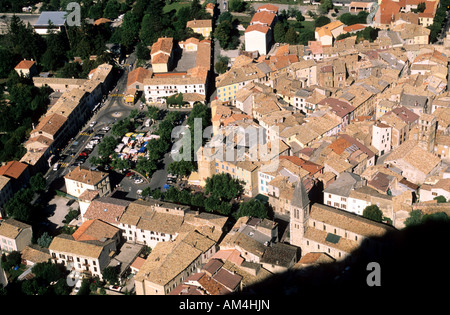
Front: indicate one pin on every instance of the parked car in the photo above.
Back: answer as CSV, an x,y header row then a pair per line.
x,y
129,174
92,124
139,181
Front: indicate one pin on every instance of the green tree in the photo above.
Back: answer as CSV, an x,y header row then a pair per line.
x,y
369,33
111,274
252,208
107,146
291,36
129,31
11,260
321,21
223,33
305,36
38,183
214,204
421,7
221,65
299,16
96,10
279,32
325,6
372,212
70,70
223,187
47,271
198,200
440,199
225,16
122,127
19,207
121,164
146,166
153,112
237,5
142,52
415,217
7,62
45,240
181,168
112,9
439,216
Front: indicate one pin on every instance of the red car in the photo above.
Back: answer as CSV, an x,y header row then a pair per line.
x,y
129,174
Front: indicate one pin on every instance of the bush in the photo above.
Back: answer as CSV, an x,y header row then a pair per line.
x,y
372,212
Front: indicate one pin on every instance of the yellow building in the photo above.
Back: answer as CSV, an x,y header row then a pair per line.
x,y
203,27
238,76
161,55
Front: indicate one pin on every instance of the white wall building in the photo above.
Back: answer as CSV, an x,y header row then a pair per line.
x,y
80,180
381,138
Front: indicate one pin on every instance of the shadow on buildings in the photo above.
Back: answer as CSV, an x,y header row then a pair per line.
x,y
410,260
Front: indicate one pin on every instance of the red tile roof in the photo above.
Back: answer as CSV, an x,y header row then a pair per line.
x,y
258,28
13,169
25,64
263,17
268,7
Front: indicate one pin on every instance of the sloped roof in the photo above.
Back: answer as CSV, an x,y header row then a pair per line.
x,y
13,169
25,64
58,18
300,198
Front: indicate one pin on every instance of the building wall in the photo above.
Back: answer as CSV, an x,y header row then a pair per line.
x,y
75,188
381,139
256,41
18,244
146,287
205,31
250,178
427,195
145,237
263,183
81,263
157,93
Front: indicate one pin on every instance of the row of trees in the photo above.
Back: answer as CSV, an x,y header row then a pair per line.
x,y
20,207
54,51
438,20
19,109
417,217
369,33
147,21
184,167
226,32
221,195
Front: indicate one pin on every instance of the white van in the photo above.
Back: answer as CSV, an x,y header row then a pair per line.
x,y
55,166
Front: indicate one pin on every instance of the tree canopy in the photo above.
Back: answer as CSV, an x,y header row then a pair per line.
x,y
223,187
372,212
253,208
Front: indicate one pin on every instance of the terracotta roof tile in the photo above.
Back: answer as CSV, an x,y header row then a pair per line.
x,y
25,64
